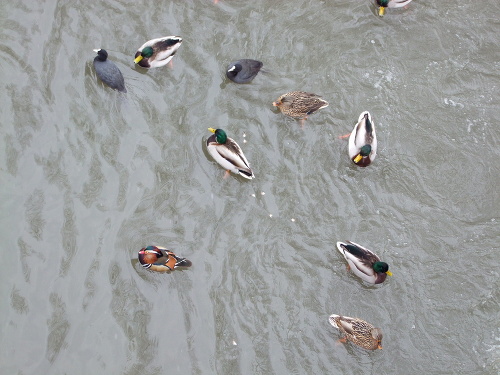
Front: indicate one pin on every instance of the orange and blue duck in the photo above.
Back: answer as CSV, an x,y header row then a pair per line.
x,y
159,259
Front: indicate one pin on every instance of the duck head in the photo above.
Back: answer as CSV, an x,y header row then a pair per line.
x,y
149,255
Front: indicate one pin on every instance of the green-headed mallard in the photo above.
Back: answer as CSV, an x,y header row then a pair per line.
x,y
357,331
108,72
364,263
363,141
243,71
299,104
157,52
390,4
159,259
228,153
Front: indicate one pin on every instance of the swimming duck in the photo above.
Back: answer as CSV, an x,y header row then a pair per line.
x,y
390,4
159,259
108,72
157,52
228,154
357,331
364,263
244,70
363,141
299,104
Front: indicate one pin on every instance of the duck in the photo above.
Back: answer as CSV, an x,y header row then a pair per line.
x,y
107,71
363,141
357,331
160,259
244,70
228,154
390,4
363,262
299,104
157,52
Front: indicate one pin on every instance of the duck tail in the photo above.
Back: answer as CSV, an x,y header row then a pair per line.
x,y
332,319
182,262
340,248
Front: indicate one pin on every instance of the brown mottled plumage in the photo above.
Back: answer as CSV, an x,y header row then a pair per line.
x,y
357,331
299,104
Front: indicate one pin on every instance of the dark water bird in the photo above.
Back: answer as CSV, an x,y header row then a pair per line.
x,y
157,52
357,331
364,263
390,4
228,154
363,141
159,259
299,104
244,70
108,72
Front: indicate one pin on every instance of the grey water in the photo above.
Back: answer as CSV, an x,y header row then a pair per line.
x,y
89,176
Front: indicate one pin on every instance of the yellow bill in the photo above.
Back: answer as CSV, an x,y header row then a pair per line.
x,y
389,273
358,158
138,58
381,11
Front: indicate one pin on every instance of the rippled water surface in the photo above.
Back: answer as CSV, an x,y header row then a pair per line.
x,y
89,176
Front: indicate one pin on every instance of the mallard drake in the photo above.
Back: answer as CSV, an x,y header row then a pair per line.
x,y
363,141
357,331
159,259
244,70
108,72
157,52
364,263
299,104
228,154
390,4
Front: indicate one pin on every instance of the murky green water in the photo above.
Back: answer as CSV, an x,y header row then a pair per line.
x,y
89,177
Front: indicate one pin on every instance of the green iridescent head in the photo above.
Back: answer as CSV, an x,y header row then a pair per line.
x,y
147,52
365,150
381,267
220,135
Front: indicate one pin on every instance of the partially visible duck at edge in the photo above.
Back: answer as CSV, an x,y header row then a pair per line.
x,y
382,4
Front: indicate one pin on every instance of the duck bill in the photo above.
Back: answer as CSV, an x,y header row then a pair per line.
x,y
381,11
389,273
212,130
138,59
276,104
357,158
379,346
